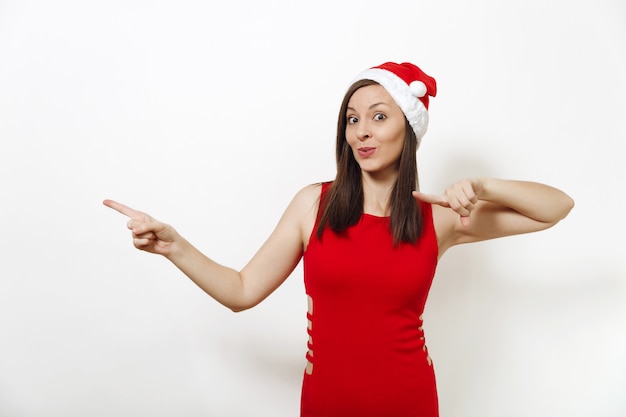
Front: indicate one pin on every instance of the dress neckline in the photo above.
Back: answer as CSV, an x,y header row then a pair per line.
x,y
374,216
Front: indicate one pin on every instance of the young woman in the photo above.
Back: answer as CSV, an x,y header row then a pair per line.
x,y
370,243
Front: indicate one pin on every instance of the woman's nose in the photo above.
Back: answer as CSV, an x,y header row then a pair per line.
x,y
363,132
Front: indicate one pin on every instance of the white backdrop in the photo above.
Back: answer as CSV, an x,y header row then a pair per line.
x,y
211,116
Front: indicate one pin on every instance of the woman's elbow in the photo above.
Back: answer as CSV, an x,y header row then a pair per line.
x,y
560,210
239,308
242,305
566,206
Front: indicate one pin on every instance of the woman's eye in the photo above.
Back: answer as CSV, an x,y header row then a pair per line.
x,y
379,116
352,120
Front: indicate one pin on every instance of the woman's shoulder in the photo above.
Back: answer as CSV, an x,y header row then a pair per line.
x,y
447,225
303,210
306,199
309,195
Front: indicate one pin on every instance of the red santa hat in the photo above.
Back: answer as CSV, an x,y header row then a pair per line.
x,y
409,86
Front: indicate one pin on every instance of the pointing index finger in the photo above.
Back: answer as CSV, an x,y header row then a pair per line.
x,y
431,198
121,208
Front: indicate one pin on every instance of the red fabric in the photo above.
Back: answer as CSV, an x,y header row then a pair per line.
x,y
368,351
410,72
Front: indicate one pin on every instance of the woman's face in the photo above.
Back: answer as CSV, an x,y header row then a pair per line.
x,y
375,130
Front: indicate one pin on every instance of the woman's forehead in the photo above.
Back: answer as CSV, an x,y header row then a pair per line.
x,y
371,95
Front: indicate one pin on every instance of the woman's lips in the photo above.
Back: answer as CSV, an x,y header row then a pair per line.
x,y
366,152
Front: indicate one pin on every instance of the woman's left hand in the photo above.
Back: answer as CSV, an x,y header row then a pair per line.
x,y
460,197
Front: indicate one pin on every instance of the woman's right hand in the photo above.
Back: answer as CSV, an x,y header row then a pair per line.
x,y
149,234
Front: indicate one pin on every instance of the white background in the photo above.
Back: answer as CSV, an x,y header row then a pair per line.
x,y
210,116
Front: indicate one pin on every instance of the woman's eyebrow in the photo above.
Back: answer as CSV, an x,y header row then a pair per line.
x,y
370,107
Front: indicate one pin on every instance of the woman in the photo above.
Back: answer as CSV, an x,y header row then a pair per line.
x,y
370,244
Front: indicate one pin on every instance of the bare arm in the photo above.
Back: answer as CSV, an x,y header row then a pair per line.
x,y
237,290
487,208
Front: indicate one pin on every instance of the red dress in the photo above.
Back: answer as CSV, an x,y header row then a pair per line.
x,y
367,349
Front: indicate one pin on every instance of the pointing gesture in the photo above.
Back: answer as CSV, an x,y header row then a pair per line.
x,y
149,235
460,197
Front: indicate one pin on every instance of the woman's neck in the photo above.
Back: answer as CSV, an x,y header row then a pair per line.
x,y
376,194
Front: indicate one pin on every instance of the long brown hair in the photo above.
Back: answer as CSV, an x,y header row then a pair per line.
x,y
342,205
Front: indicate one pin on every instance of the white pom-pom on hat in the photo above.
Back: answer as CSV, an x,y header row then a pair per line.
x,y
417,88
